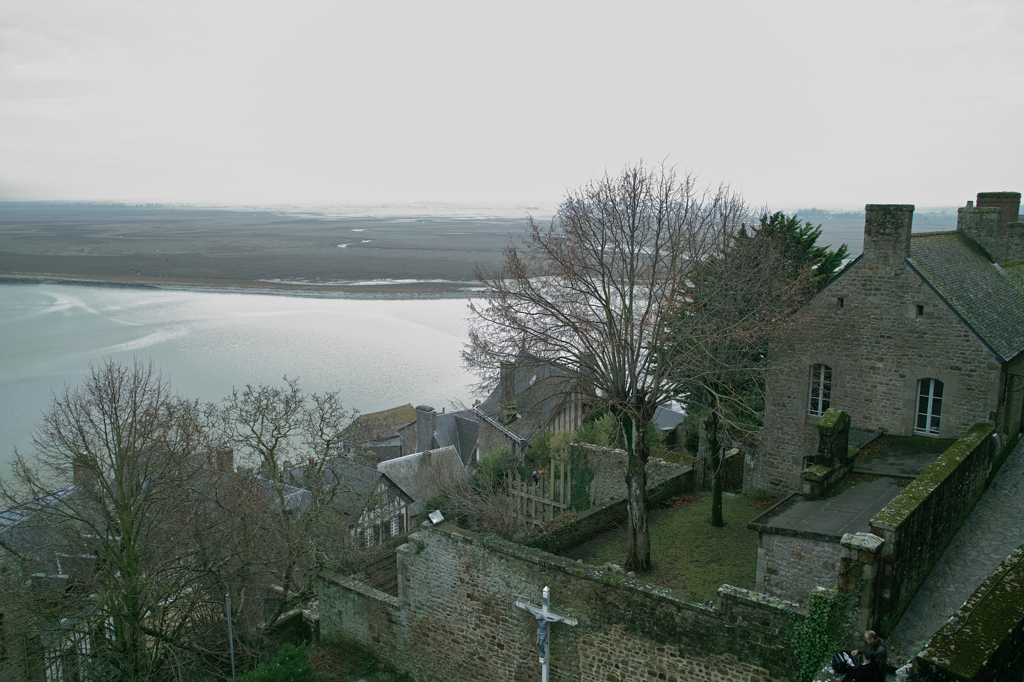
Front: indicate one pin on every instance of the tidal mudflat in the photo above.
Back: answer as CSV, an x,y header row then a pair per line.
x,y
286,251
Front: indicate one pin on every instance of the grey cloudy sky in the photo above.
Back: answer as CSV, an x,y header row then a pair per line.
x,y
793,103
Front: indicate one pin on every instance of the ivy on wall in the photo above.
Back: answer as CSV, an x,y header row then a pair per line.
x,y
581,476
815,638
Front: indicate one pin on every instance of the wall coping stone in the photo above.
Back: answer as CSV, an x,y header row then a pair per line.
x,y
864,542
360,587
911,497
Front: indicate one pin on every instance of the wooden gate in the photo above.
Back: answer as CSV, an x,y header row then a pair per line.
x,y
545,498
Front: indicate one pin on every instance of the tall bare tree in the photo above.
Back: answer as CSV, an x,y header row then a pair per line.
x,y
596,291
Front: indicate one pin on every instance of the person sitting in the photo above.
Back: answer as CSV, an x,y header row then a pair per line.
x,y
873,660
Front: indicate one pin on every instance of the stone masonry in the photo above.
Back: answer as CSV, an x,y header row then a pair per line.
x,y
792,567
880,327
455,619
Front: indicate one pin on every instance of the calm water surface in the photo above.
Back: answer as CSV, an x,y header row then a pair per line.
x,y
379,354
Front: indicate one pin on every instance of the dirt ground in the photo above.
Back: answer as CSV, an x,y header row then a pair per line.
x,y
260,250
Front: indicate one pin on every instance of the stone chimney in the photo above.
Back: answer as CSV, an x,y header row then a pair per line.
x,y
887,233
993,225
508,390
82,475
426,424
223,459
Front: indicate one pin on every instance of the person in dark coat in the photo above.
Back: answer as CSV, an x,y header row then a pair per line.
x,y
873,660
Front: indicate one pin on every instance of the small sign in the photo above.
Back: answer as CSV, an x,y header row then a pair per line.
x,y
436,517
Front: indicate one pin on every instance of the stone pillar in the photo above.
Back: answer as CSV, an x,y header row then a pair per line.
x,y
860,575
833,439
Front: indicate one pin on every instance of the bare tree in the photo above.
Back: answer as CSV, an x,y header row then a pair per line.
x,y
596,291
275,428
110,509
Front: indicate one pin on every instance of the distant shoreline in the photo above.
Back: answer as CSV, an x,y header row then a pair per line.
x,y
370,291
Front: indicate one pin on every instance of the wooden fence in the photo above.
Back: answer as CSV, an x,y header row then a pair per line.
x,y
545,498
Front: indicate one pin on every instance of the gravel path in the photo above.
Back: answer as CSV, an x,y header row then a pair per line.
x,y
991,532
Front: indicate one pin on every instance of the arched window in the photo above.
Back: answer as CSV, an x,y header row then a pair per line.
x,y
820,390
929,406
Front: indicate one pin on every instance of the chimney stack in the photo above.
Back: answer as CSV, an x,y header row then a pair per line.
x,y
426,424
887,233
992,224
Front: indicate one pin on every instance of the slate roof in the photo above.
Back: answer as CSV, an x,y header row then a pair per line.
x,y
423,474
668,419
379,426
538,388
356,487
459,429
988,297
29,530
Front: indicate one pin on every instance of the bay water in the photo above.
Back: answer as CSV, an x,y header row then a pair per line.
x,y
377,353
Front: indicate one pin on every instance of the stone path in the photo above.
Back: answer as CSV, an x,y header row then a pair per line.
x,y
991,532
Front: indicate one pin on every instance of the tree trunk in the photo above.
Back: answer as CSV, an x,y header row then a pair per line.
x,y
714,464
638,553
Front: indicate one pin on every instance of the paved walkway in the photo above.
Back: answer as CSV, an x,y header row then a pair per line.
x,y
990,533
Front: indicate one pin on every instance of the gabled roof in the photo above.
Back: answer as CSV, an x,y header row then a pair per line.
x,y
424,474
459,429
988,297
357,486
379,426
537,388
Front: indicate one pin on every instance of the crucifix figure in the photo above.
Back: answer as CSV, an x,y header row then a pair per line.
x,y
545,618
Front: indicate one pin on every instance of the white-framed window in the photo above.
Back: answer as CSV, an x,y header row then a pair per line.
x,y
820,391
929,406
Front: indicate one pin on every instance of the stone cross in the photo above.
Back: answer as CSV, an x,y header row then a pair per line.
x,y
544,618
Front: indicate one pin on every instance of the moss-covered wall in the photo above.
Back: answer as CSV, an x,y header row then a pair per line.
x,y
456,619
984,640
921,521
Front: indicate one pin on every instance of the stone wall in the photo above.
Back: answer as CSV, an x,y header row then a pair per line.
x,y
605,469
921,521
570,530
791,566
984,640
366,615
878,349
456,619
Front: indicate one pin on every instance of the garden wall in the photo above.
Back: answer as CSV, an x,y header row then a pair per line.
x,y
984,640
920,522
570,530
790,566
456,620
599,474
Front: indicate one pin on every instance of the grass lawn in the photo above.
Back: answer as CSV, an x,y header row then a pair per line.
x,y
688,553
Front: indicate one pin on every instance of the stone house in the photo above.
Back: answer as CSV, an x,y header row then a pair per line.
x,y
533,395
922,334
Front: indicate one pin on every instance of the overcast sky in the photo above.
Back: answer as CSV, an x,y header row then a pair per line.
x,y
793,103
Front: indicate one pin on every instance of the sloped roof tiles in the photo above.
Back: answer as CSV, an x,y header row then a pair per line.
x,y
987,296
